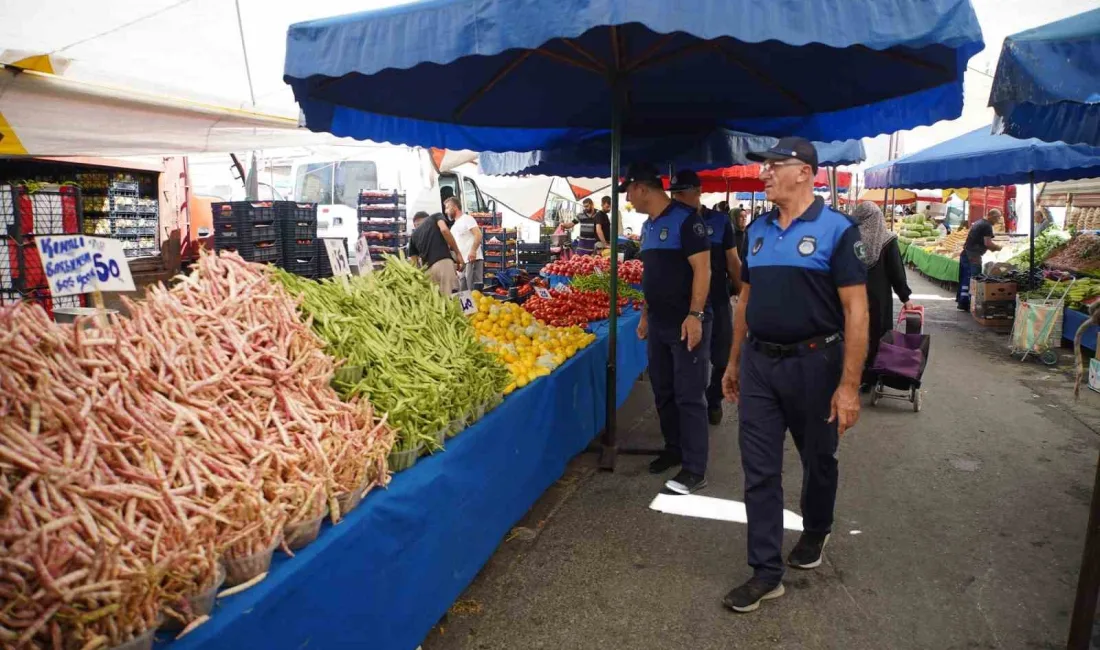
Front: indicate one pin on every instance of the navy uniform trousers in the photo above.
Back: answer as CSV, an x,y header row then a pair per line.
x,y
721,338
679,380
777,394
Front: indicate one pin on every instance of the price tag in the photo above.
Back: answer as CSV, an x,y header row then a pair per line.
x,y
466,301
337,256
622,257
77,264
362,256
561,287
542,293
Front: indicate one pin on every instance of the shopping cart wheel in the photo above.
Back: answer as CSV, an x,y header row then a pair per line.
x,y
916,399
1050,357
876,393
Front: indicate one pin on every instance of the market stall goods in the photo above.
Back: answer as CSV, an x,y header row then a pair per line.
x,y
1081,255
420,359
1046,243
602,282
134,458
917,229
528,347
630,271
570,307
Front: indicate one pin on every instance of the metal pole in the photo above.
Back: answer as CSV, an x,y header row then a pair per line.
x,y
1031,230
1088,579
609,445
833,189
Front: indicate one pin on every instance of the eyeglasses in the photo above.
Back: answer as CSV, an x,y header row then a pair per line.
x,y
771,165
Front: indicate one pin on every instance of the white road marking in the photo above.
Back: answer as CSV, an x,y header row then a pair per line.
x,y
856,532
694,505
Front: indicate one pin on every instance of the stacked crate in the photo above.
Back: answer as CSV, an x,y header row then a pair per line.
x,y
383,222
296,224
130,219
248,227
324,266
499,249
25,214
488,219
533,256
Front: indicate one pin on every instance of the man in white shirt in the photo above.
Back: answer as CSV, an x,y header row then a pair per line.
x,y
468,236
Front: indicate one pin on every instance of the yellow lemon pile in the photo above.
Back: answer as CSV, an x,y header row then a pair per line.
x,y
529,348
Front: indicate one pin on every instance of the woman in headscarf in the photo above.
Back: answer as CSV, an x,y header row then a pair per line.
x,y
885,274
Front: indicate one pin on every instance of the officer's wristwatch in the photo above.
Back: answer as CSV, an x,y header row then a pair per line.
x,y
698,314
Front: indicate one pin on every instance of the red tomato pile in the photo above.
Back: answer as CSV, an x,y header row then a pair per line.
x,y
629,271
572,308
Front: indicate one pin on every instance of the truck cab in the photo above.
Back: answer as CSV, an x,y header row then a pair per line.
x,y
465,188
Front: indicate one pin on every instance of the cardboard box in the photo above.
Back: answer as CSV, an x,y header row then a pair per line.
x,y
992,299
1094,374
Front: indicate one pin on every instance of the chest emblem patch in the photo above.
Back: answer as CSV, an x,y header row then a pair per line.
x,y
664,234
699,229
807,245
710,230
861,251
757,245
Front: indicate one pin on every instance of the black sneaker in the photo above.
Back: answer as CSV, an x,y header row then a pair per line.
x,y
686,483
664,462
747,597
806,554
715,415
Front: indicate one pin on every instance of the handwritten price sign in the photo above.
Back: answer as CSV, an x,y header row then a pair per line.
x,y
338,256
77,264
466,301
362,256
542,293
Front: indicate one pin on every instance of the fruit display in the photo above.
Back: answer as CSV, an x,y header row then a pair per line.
x,y
1045,245
1083,292
951,245
1083,219
573,307
630,271
1081,255
529,348
411,351
917,228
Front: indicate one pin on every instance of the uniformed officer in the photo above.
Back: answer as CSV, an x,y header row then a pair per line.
x,y
676,322
800,338
724,266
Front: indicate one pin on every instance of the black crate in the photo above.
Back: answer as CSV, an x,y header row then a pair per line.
x,y
50,210
298,229
305,267
299,248
264,252
533,247
381,197
9,264
243,212
293,211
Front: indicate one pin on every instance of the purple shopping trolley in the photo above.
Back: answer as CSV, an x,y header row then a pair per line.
x,y
899,365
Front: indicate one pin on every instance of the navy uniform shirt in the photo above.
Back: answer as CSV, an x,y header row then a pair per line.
x,y
720,234
794,273
667,242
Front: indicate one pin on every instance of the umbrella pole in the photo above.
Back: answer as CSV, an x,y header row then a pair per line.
x,y
609,447
1031,230
1088,580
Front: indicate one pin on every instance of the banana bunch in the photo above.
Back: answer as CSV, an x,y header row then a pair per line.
x,y
1082,290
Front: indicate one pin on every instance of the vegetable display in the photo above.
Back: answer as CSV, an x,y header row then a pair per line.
x,y
1046,243
136,456
602,282
630,271
529,348
421,361
1080,255
573,308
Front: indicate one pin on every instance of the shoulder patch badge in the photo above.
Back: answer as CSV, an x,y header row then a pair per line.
x,y
807,245
699,229
710,230
757,245
664,234
861,251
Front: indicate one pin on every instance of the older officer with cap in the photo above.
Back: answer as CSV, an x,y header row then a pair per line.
x,y
725,267
676,322
800,338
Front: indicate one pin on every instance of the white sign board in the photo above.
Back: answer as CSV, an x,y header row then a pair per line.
x,y
542,293
562,287
80,264
362,256
466,301
337,256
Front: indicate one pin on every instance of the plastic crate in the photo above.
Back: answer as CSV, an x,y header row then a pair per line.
x,y
53,210
305,267
294,211
297,229
9,264
243,212
381,197
123,188
533,247
299,248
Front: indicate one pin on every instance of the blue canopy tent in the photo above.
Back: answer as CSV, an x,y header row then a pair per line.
x,y
980,159
1047,84
487,75
588,159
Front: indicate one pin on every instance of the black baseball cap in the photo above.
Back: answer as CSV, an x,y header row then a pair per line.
x,y
684,179
640,172
791,147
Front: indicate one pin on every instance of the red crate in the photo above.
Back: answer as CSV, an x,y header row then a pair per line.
x,y
48,212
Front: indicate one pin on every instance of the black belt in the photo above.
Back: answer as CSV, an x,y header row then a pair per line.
x,y
781,350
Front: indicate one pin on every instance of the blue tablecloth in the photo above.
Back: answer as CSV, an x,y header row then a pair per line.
x,y
382,577
1071,321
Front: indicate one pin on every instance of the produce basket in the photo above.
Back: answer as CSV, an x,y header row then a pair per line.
x,y
349,500
458,425
439,437
140,642
401,460
242,569
299,535
198,605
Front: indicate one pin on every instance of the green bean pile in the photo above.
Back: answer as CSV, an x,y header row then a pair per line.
x,y
422,363
602,282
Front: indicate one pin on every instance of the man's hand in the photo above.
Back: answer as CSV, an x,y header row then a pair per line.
x,y
472,257
692,332
460,265
731,383
845,408
643,328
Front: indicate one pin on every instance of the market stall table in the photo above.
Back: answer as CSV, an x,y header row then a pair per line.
x,y
383,576
1071,322
933,265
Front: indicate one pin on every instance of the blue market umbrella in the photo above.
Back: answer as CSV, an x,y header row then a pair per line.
x,y
588,159
1047,84
981,159
490,75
